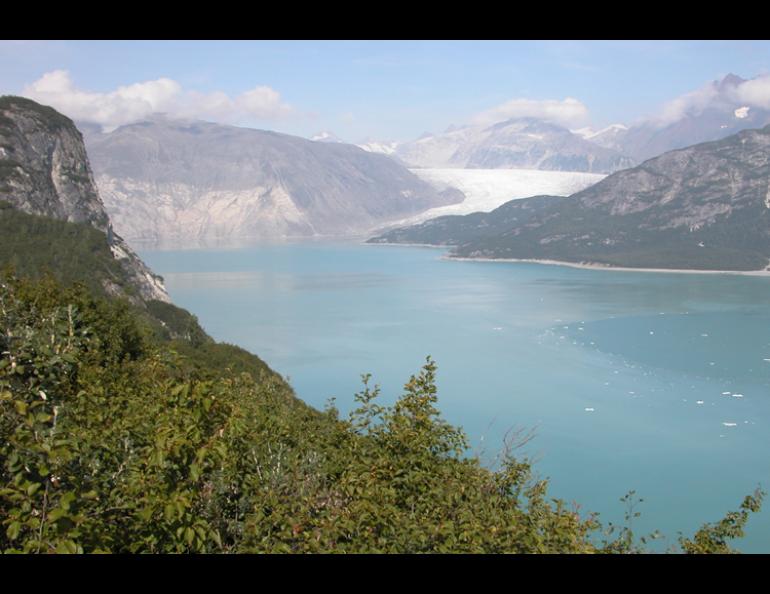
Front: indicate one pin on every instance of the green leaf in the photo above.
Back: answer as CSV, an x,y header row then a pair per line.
x,y
13,530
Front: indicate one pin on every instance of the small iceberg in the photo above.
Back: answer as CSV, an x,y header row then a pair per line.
x,y
726,393
497,328
726,424
737,395
699,402
589,409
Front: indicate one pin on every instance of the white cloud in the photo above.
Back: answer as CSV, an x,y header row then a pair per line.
x,y
754,92
690,103
569,112
133,102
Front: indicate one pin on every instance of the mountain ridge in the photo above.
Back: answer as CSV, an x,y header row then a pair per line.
x,y
705,207
168,182
516,143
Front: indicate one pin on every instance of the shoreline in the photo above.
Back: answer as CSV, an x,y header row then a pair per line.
x,y
581,265
609,267
419,245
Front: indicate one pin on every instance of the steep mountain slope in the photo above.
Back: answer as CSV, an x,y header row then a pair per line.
x,y
703,207
44,171
188,181
521,143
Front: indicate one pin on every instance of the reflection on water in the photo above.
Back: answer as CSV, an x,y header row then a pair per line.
x,y
645,381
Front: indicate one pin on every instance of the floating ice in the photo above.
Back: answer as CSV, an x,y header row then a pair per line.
x,y
726,424
699,402
651,332
737,395
588,409
726,393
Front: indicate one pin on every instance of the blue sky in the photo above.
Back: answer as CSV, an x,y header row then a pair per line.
x,y
383,89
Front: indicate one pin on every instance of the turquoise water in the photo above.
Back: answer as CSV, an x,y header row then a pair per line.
x,y
523,346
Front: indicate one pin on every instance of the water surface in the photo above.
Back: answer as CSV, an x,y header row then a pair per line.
x,y
654,382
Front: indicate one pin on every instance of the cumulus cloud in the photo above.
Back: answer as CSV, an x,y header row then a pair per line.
x,y
134,102
569,112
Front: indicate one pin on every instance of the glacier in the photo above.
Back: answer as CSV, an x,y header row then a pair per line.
x,y
486,189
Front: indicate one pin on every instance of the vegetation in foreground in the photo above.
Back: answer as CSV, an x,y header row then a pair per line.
x,y
115,440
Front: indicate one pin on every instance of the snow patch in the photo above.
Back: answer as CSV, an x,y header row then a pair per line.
x,y
385,148
742,112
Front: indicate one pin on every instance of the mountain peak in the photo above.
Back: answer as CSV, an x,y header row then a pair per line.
x,y
731,80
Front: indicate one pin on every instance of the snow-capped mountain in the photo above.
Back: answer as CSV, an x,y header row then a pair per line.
x,y
378,146
609,137
519,143
325,136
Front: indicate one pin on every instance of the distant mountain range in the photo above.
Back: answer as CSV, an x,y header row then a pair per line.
x,y
185,182
520,143
703,207
717,110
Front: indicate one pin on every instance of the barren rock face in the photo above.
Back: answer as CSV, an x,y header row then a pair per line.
x,y
178,181
45,167
690,187
44,170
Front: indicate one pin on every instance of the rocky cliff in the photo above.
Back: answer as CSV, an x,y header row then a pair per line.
x,y
44,170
